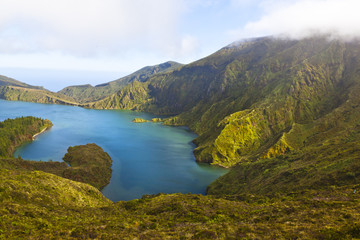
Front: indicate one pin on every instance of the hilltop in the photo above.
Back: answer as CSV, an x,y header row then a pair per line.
x,y
13,90
88,93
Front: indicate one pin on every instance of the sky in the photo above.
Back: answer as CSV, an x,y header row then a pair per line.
x,y
57,43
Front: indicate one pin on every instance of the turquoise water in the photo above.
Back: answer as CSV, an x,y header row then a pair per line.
x,y
148,158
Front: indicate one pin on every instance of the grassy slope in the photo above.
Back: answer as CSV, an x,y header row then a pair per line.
x,y
5,81
11,89
15,93
88,93
324,152
19,164
243,98
311,154
41,205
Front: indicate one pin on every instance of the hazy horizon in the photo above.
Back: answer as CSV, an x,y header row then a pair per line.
x,y
57,79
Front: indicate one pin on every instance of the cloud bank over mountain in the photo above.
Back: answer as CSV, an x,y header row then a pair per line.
x,y
122,35
303,18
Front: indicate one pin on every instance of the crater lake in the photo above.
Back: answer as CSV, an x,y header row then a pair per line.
x,y
148,158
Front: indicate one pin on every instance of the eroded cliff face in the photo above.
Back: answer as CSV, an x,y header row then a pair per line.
x,y
317,154
243,99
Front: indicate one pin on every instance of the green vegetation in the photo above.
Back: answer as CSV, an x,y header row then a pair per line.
x,y
19,164
139,120
89,164
13,90
14,93
133,97
5,81
88,93
14,132
41,205
241,101
157,120
154,120
245,98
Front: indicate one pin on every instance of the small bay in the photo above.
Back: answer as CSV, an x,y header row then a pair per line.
x,y
148,158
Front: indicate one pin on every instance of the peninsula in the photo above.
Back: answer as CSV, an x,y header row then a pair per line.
x,y
88,163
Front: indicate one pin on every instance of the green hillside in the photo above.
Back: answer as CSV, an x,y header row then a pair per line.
x,y
243,99
6,81
13,90
38,205
14,132
89,164
324,152
15,93
88,93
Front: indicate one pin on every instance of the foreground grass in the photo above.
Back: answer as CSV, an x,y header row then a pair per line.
x,y
37,205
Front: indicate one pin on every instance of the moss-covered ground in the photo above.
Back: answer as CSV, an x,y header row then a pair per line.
x,y
37,205
89,164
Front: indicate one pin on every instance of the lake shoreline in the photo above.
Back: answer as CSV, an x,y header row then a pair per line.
x,y
163,152
42,131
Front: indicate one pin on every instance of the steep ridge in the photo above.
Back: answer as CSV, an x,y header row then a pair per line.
x,y
88,93
6,81
13,90
242,99
312,155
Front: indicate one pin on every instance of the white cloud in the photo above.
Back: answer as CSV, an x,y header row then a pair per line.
x,y
298,19
88,27
189,45
243,3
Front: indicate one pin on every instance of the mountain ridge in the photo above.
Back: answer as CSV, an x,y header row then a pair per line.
x,y
88,93
13,90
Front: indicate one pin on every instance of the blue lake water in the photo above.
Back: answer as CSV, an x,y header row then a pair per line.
x,y
148,158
